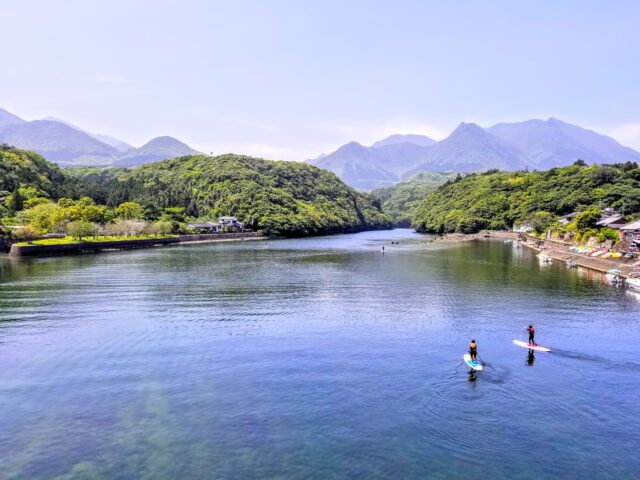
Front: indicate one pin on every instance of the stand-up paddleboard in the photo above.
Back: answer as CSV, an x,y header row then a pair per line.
x,y
530,347
472,363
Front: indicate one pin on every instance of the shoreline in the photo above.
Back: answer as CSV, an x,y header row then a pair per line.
x,y
558,251
602,265
120,245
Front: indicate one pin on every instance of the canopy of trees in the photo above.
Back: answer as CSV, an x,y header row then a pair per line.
x,y
283,198
498,200
400,201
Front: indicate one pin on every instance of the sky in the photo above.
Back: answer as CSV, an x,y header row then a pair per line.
x,y
292,79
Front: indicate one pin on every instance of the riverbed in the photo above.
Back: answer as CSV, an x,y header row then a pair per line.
x,y
318,358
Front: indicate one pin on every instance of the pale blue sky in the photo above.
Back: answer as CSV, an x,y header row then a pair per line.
x,y
286,79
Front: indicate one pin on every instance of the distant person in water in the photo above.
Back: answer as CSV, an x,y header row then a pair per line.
x,y
473,349
532,334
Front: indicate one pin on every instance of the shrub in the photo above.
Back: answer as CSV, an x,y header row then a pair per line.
x,y
25,234
81,229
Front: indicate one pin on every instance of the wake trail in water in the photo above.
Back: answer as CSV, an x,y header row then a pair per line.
x,y
606,362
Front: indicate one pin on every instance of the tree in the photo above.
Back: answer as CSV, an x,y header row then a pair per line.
x,y
44,217
540,221
15,202
25,234
163,227
129,211
81,229
587,220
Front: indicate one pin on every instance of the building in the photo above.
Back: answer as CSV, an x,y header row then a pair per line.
x,y
568,218
206,227
614,220
631,231
230,223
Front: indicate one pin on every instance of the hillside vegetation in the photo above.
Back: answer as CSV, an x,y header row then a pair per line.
x,y
283,198
400,201
498,200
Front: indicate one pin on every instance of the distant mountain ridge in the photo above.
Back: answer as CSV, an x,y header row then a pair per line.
x,y
66,144
532,144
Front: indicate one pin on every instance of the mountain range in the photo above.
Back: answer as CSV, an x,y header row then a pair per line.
x,y
66,144
532,144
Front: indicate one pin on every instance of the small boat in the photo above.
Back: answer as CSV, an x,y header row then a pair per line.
x,y
614,276
544,258
633,282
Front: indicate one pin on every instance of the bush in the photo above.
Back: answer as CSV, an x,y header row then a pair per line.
x,y
81,229
608,233
25,234
587,220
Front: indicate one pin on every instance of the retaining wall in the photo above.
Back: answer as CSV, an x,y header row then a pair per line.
x,y
88,247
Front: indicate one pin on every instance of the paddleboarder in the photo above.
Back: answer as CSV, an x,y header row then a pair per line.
x,y
473,349
532,333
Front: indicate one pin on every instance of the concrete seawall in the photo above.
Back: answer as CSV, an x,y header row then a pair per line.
x,y
88,247
97,247
220,237
560,251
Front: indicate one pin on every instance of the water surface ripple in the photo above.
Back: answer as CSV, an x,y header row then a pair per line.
x,y
317,358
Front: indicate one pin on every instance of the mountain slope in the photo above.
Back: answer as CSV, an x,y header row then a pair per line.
x,y
420,140
8,118
157,149
554,143
367,168
469,148
400,201
57,141
111,141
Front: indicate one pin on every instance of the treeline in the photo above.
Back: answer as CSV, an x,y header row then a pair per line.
x,y
400,201
281,198
499,200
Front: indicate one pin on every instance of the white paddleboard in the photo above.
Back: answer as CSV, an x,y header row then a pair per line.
x,y
531,347
472,363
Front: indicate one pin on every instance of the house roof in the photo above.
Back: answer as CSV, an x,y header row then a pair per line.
x,y
202,225
603,222
631,226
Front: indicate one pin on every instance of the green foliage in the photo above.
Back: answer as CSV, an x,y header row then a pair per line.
x,y
587,220
129,211
501,199
399,202
21,168
80,229
282,198
540,221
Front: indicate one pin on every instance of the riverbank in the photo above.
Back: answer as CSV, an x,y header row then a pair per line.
x,y
451,238
560,251
52,248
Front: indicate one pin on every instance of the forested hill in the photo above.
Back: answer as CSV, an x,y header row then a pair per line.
x,y
400,201
285,198
497,200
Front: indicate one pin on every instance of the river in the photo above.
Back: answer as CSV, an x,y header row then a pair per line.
x,y
318,358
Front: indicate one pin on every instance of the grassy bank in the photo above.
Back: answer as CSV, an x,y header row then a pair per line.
x,y
72,240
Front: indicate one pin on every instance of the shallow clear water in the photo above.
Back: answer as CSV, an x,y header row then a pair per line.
x,y
315,358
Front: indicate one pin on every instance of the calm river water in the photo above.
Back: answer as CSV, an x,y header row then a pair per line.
x,y
318,358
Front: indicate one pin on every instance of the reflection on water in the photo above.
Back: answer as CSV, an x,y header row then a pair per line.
x,y
314,358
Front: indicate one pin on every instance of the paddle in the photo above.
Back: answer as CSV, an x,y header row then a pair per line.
x,y
481,361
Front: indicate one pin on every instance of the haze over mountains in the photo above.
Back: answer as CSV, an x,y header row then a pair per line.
x,y
64,143
533,144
